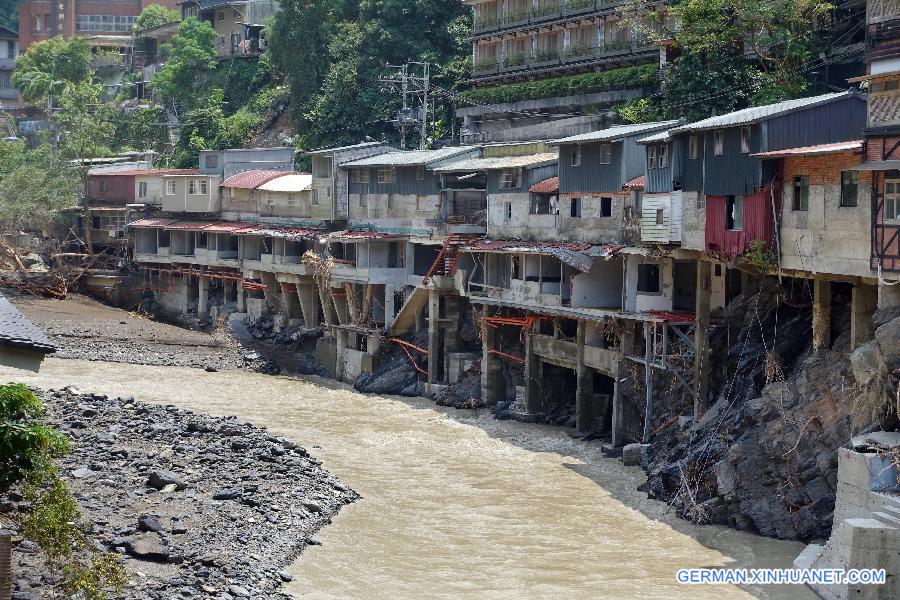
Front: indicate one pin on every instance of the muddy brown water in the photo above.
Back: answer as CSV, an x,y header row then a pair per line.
x,y
455,504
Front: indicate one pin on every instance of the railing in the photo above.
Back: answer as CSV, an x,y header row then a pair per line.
x,y
549,11
573,54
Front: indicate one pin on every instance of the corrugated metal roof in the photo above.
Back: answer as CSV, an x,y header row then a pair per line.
x,y
344,148
410,158
189,225
357,235
290,233
500,162
662,136
638,183
250,180
617,132
153,223
547,186
819,150
761,113
230,227
146,172
17,331
293,182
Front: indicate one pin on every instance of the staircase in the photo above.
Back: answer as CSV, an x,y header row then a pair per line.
x,y
445,263
890,510
406,318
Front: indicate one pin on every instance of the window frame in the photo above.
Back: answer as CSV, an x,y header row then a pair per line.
x,y
575,206
510,179
171,187
746,139
651,156
644,278
693,147
606,153
359,175
718,142
800,200
143,189
849,200
606,207
575,157
734,213
663,156
893,198
386,175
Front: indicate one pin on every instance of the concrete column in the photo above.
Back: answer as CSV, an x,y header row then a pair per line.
x,y
888,296
821,320
420,319
863,303
352,307
241,298
451,337
308,294
701,339
626,347
341,339
434,316
327,303
291,301
534,389
493,389
203,296
585,410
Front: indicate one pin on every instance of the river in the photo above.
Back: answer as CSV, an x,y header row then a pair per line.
x,y
455,504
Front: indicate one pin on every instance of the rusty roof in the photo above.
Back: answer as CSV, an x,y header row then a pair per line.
x,y
820,150
638,183
278,231
153,223
547,186
250,180
354,235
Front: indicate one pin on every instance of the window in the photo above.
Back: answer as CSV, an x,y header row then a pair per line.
x,y
508,210
104,186
745,140
540,204
663,155
651,157
605,154
605,207
359,176
37,23
211,161
221,15
575,208
801,192
514,269
509,179
142,189
198,187
576,156
718,270
660,216
718,142
420,174
693,147
849,188
891,199
648,278
103,23
170,187
387,175
734,213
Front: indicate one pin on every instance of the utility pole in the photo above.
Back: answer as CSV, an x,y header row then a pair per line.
x,y
417,86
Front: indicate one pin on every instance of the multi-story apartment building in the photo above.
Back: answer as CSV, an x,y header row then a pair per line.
x,y
104,24
238,23
9,50
525,41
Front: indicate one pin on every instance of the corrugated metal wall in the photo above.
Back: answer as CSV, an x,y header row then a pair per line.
x,y
839,121
660,180
591,176
406,182
758,223
732,172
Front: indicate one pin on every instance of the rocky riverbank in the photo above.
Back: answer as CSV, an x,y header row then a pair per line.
x,y
198,507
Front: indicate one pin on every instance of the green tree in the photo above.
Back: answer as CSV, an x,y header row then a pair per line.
x,y
52,67
34,187
191,58
156,14
9,14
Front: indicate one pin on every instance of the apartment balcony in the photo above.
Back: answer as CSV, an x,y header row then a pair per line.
x,y
545,12
883,40
548,60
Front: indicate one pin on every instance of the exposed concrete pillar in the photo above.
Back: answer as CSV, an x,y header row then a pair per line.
x,y
626,347
420,319
534,388
341,310
451,336
291,301
352,307
821,321
341,339
585,411
493,388
202,296
701,339
863,303
888,296
434,331
308,293
241,298
327,304
649,332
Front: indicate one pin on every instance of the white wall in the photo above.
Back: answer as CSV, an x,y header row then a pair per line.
x,y
601,288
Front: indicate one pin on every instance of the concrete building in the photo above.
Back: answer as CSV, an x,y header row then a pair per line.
x,y
9,50
22,345
238,23
515,41
330,183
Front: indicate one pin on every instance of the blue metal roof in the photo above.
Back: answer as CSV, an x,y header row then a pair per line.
x,y
17,331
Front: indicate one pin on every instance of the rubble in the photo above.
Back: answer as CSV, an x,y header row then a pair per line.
x,y
164,487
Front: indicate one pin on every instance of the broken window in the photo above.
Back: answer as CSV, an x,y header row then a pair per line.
x,y
718,142
637,200
663,156
648,278
849,188
651,156
801,192
605,206
576,155
359,176
540,204
575,208
605,154
734,213
508,209
514,264
745,140
693,147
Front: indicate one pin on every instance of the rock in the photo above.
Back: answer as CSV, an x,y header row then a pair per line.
x,y
238,591
149,523
147,546
311,506
229,494
82,473
632,454
161,479
882,439
285,576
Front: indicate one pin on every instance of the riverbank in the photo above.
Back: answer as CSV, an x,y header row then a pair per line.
x,y
198,506
455,503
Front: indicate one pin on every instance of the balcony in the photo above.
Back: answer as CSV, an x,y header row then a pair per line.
x,y
544,12
883,40
548,58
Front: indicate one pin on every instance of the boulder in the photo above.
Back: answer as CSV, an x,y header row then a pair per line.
x,y
633,454
147,546
161,479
